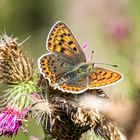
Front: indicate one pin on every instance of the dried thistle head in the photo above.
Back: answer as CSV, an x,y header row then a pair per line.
x,y
15,67
64,116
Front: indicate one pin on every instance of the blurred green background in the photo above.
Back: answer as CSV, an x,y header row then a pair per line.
x,y
111,28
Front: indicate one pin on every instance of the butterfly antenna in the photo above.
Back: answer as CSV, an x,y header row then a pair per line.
x,y
91,58
112,65
24,41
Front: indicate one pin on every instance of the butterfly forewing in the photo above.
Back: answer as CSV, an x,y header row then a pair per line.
x,y
62,41
101,77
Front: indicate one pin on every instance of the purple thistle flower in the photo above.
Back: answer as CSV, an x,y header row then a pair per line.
x,y
84,48
11,120
118,28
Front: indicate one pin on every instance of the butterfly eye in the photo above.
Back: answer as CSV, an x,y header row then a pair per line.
x,y
79,70
90,68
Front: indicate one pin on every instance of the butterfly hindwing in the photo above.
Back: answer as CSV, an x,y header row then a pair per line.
x,y
101,77
76,85
61,40
54,67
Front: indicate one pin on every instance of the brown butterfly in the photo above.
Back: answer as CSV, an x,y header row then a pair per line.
x,y
65,65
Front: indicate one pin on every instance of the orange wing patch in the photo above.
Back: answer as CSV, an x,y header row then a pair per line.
x,y
71,88
46,70
101,77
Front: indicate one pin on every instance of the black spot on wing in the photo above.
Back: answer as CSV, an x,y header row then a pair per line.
x,y
62,40
104,73
70,42
75,49
62,50
60,43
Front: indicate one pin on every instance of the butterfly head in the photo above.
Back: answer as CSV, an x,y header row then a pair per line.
x,y
85,68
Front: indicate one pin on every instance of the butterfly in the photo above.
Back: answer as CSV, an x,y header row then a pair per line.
x,y
65,65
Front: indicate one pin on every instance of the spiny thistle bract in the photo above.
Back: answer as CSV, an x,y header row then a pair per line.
x,y
60,114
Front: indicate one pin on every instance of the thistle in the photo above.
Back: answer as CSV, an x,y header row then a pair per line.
x,y
84,48
64,116
17,73
10,120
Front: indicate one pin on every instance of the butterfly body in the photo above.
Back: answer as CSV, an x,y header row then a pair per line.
x,y
65,65
80,70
